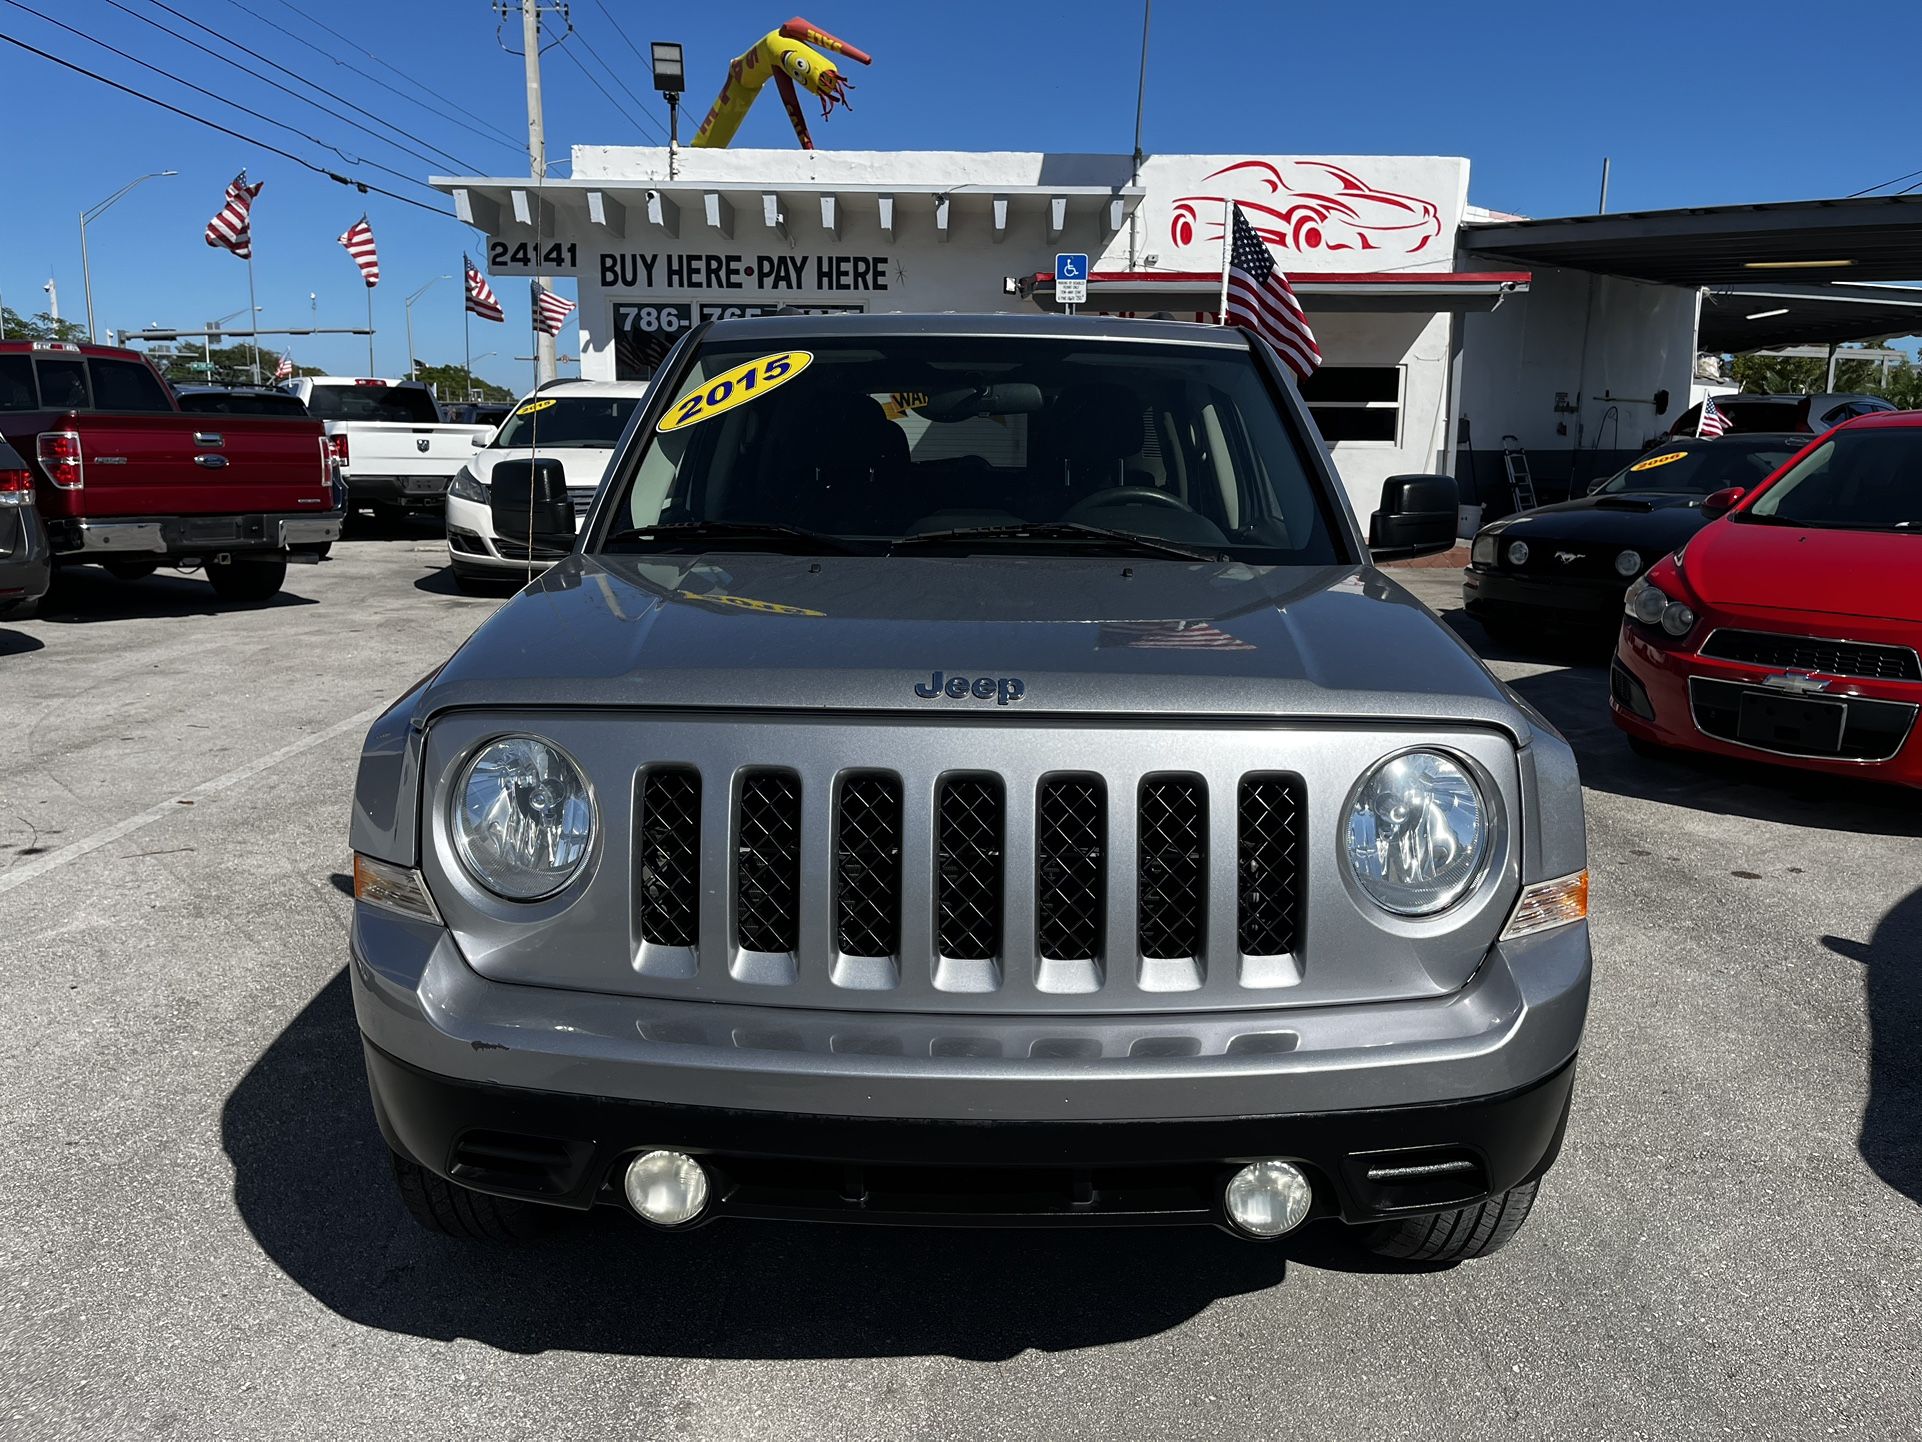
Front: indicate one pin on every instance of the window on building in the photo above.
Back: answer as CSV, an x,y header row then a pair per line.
x,y
1356,403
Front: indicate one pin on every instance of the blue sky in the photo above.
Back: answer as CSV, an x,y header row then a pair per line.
x,y
1694,110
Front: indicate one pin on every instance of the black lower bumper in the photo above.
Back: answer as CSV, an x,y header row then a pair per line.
x,y
1366,1166
1542,603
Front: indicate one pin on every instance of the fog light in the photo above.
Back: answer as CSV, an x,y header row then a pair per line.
x,y
1265,1199
1518,553
668,1189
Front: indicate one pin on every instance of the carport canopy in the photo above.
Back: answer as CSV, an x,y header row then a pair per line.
x,y
1741,318
1860,238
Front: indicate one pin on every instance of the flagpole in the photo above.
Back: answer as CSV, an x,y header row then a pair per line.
x,y
1227,254
370,331
253,311
466,335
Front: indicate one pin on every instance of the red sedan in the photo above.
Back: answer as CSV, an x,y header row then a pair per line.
x,y
1788,629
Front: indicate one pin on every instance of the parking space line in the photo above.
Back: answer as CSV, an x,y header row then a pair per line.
x,y
73,851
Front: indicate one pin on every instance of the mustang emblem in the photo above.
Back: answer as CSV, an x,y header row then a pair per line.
x,y
1568,558
422,444
1000,690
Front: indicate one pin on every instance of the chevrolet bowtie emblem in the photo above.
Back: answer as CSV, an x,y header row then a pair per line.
x,y
1800,681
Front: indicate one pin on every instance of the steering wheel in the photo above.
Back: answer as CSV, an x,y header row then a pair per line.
x,y
1129,496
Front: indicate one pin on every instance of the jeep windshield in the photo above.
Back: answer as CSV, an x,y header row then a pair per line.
x,y
939,445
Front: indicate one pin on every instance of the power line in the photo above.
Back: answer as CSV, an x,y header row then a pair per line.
x,y
1880,183
366,187
216,96
295,75
492,129
591,80
646,64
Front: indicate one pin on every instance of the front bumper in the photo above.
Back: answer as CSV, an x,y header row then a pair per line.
x,y
1673,696
1467,1092
193,536
1542,602
473,545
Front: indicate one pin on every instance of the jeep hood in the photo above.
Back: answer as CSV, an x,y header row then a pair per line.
x,y
1081,636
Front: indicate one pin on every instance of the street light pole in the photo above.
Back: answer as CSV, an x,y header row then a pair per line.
x,y
412,365
92,214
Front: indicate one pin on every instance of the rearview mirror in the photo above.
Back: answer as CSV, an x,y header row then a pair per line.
x,y
1417,518
530,504
1009,398
1720,503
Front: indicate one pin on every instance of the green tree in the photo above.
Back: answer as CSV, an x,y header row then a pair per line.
x,y
39,327
1809,375
453,384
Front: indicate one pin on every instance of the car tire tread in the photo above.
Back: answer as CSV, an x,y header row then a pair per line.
x,y
456,1211
1458,1235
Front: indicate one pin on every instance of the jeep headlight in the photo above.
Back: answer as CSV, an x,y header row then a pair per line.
x,y
1417,833
466,486
522,817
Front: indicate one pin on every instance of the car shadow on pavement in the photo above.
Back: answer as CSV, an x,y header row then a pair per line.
x,y
1574,697
311,1182
442,582
18,643
1891,1139
85,594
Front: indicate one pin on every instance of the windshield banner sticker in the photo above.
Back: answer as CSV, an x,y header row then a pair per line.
x,y
1653,461
735,388
532,406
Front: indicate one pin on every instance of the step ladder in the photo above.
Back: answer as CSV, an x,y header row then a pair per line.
x,y
1521,483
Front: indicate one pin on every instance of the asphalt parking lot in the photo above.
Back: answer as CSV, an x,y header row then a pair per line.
x,y
201,1239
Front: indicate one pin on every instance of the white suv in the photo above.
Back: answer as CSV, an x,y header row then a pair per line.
x,y
577,423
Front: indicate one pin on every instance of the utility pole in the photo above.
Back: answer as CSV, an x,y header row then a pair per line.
x,y
536,155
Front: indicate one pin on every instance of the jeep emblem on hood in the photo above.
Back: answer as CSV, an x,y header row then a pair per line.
x,y
1000,690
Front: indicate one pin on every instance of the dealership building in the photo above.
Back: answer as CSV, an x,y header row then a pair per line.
x,y
1446,329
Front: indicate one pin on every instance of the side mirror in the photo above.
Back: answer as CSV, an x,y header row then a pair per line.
x,y
531,506
1720,503
1418,517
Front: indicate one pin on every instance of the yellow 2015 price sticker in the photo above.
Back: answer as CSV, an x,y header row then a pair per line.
x,y
735,388
1662,460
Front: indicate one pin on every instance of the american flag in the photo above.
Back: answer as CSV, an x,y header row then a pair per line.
x,y
1713,423
285,370
230,229
1260,298
549,310
359,241
480,295
1170,636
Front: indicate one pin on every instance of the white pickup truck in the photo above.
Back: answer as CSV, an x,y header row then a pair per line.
x,y
394,450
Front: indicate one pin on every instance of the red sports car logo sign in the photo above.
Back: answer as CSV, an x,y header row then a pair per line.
x,y
1307,205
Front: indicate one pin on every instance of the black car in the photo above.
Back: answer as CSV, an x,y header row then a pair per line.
x,y
25,562
1569,564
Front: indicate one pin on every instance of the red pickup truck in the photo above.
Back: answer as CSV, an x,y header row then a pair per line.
x,y
127,479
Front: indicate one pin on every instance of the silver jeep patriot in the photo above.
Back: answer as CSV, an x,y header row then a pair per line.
x,y
969,770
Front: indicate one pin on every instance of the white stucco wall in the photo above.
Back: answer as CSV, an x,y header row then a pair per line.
x,y
1571,366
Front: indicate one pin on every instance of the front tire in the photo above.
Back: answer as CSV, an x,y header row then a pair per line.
x,y
246,581
1456,1236
456,1211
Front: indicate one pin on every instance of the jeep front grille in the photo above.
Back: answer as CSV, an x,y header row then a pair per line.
x,y
1070,827
1269,864
668,856
768,861
867,866
967,869
1171,867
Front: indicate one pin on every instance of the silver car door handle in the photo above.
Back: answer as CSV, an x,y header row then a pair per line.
x,y
208,438
211,462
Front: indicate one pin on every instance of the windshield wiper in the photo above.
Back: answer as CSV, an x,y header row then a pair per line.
x,y
786,538
1062,531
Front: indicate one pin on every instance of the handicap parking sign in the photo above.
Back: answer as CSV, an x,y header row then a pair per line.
x,y
1071,279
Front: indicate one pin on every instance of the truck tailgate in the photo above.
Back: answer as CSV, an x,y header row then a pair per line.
x,y
395,448
150,464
